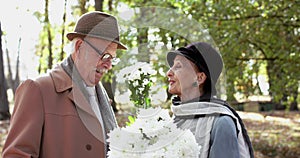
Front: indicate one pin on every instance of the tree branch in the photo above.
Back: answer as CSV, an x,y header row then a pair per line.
x,y
247,59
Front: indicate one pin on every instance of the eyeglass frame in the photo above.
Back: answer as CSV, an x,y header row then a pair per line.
x,y
105,57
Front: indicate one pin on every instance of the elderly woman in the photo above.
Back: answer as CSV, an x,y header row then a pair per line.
x,y
194,71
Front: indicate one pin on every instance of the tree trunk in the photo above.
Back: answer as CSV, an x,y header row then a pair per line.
x,y
294,104
62,53
48,28
4,105
143,51
110,5
16,81
82,4
13,83
110,88
41,56
9,76
99,5
270,73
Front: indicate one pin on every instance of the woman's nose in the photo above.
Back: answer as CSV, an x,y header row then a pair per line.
x,y
170,72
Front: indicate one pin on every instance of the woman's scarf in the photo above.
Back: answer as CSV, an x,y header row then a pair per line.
x,y
204,112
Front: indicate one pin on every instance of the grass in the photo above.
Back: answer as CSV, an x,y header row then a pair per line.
x,y
274,134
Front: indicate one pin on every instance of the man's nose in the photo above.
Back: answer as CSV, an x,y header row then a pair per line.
x,y
108,64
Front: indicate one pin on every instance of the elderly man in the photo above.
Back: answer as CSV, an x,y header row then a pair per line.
x,y
66,113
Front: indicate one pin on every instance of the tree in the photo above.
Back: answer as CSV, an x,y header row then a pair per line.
x,y
62,53
44,48
4,104
255,38
49,35
13,83
99,5
82,6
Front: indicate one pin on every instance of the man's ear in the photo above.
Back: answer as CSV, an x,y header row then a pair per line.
x,y
201,77
78,44
76,49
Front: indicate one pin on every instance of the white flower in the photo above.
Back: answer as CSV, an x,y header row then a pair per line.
x,y
141,89
145,81
135,83
133,72
152,135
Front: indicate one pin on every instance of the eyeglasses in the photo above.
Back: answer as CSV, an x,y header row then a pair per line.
x,y
105,57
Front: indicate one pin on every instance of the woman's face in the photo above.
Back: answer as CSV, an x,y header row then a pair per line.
x,y
182,77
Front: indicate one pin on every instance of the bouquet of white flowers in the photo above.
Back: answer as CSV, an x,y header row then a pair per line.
x,y
139,79
152,135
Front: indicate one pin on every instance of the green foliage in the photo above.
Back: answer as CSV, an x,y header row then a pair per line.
x,y
140,89
255,38
131,120
253,34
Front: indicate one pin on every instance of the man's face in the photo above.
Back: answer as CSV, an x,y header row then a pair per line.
x,y
90,59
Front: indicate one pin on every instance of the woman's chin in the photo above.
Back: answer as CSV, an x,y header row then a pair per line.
x,y
173,92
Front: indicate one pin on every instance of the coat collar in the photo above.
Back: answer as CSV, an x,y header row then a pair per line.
x,y
63,82
61,79
66,77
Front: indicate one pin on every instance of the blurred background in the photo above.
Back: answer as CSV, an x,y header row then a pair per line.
x,y
258,39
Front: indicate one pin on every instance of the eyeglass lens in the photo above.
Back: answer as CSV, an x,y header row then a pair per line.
x,y
105,57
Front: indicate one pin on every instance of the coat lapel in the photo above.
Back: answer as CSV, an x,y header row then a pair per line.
x,y
86,113
63,82
80,100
